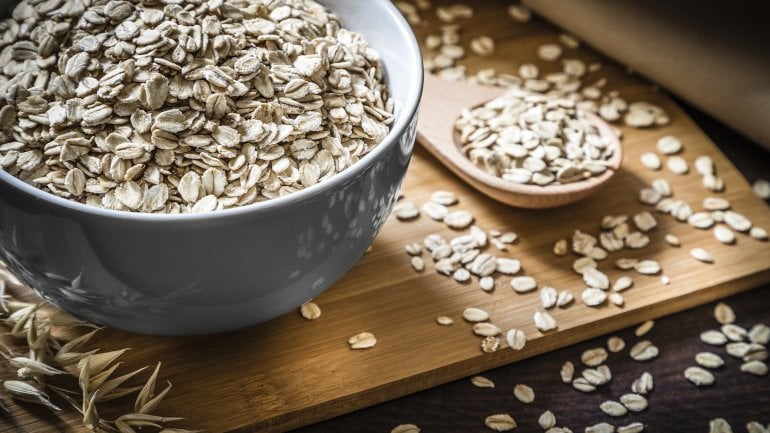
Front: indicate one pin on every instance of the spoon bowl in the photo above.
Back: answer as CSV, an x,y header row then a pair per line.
x,y
442,102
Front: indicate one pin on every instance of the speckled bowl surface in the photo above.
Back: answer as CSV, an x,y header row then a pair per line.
x,y
206,273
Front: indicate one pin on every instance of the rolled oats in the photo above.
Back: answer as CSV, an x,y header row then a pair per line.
x,y
698,376
544,322
165,108
709,360
523,284
594,357
546,420
723,313
643,351
615,344
669,145
701,255
500,422
524,393
482,382
473,314
516,339
528,138
548,297
567,371
363,340
634,402
490,344
724,235
761,188
613,408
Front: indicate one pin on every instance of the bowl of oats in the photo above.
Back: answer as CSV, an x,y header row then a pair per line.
x,y
177,169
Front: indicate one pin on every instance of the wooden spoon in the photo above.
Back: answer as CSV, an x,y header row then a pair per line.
x,y
442,102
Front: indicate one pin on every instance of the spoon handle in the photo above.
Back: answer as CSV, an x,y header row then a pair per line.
x,y
442,102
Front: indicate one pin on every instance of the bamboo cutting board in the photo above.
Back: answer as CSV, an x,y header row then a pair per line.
x,y
290,372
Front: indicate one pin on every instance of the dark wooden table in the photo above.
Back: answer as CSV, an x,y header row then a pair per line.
x,y
675,405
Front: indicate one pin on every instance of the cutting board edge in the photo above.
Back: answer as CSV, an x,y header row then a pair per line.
x,y
448,373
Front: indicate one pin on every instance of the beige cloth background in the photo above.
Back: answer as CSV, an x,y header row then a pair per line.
x,y
714,54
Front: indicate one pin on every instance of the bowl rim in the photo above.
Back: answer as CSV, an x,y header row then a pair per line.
x,y
401,123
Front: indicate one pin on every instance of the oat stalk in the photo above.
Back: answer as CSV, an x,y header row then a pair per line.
x,y
89,376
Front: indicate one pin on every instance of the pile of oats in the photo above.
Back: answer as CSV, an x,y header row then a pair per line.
x,y
527,138
191,107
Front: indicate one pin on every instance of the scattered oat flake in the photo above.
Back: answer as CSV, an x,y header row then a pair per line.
x,y
406,211
644,328
548,297
487,283
516,339
500,422
719,425
490,344
310,310
482,382
756,367
615,344
622,283
560,247
634,402
761,188
643,384
564,299
446,198
417,264
650,160
444,320
593,297
594,357
601,427
406,428
709,360
549,52
519,13
724,235
737,221
755,427
523,284
546,420
647,267
458,219
485,329
723,313
672,240
613,408
643,351
713,337
758,233
669,145
524,393
435,211
567,371
544,322
582,385
634,427
759,333
698,376
362,340
701,255
734,332
473,314
483,46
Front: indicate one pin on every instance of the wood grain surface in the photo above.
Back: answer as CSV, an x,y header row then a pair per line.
x,y
289,372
